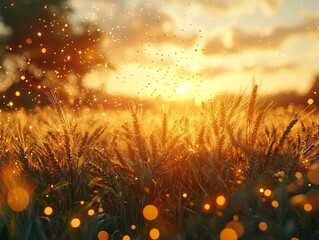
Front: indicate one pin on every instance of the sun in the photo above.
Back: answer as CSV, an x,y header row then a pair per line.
x,y
183,88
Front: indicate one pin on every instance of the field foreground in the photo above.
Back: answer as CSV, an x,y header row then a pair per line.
x,y
234,168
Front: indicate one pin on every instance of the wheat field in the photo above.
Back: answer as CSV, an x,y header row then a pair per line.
x,y
237,167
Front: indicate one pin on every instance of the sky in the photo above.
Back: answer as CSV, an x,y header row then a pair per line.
x,y
187,49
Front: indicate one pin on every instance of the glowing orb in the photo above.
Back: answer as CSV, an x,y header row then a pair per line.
x,y
263,226
220,200
267,193
237,227
310,101
103,235
228,234
307,207
18,199
91,212
154,233
150,212
207,206
48,211
75,222
275,203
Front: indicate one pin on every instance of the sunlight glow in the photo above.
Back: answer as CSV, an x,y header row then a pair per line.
x,y
183,88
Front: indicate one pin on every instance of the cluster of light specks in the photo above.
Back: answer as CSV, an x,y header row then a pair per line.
x,y
52,51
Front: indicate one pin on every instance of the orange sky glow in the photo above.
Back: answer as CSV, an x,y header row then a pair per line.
x,y
195,49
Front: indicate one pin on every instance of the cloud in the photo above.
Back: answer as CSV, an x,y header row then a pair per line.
x,y
242,40
271,69
238,6
4,30
128,24
274,4
131,27
10,71
211,72
147,25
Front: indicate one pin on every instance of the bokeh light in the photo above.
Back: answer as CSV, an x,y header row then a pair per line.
x,y
237,227
18,199
298,199
307,207
48,211
263,226
150,212
103,235
310,101
275,203
206,206
220,200
91,212
28,41
228,234
298,175
154,233
126,237
75,222
267,193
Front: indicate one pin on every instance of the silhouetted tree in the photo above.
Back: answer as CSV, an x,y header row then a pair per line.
x,y
41,47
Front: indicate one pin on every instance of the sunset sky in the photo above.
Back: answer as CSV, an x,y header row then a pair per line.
x,y
195,49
